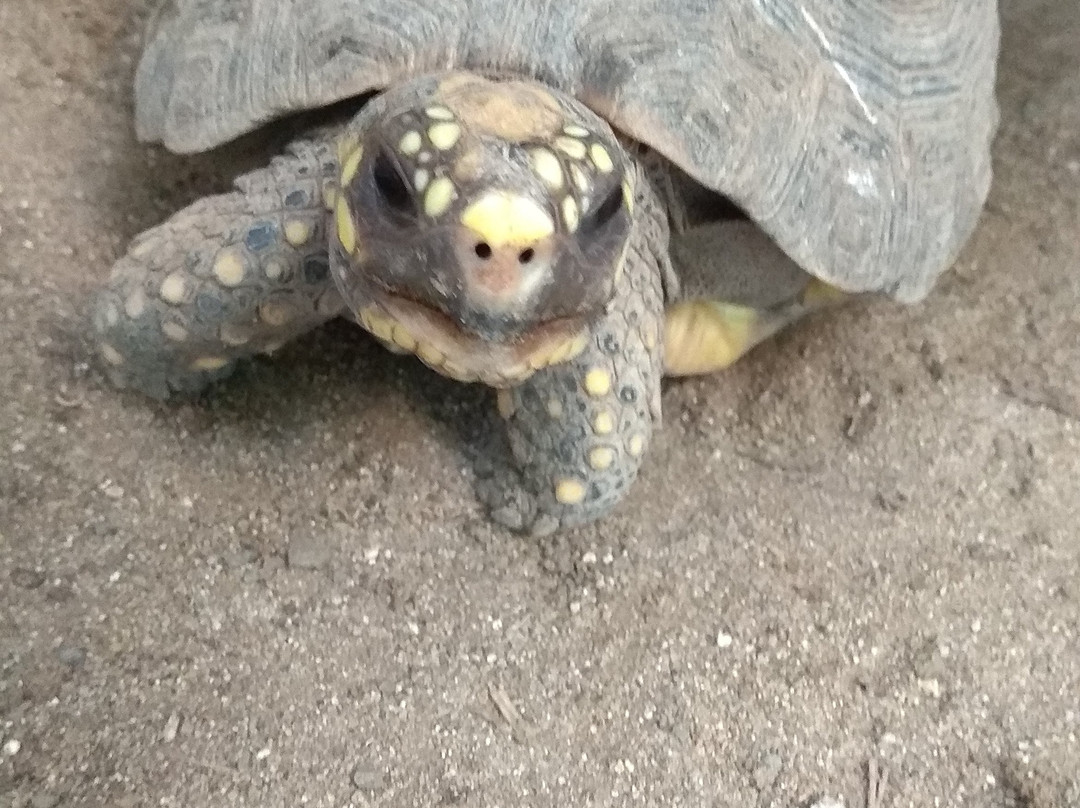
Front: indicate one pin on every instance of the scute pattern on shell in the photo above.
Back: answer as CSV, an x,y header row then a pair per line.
x,y
857,134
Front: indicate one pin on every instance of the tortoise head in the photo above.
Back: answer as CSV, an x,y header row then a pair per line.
x,y
481,224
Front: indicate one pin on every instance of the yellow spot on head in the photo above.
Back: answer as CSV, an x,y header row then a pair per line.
x,y
209,363
410,143
352,163
501,218
628,195
111,355
601,458
297,232
546,165
421,178
571,146
576,131
443,136
346,145
636,446
597,382
440,193
601,159
439,113
229,268
329,194
346,230
174,288
581,179
603,423
570,491
570,213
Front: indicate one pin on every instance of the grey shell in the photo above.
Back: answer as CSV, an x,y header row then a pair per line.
x,y
855,132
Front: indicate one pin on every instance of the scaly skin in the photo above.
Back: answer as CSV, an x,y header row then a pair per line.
x,y
226,278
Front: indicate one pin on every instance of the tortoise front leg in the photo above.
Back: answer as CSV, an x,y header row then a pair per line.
x,y
580,430
228,277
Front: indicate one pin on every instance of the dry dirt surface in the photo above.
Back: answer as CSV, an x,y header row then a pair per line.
x,y
847,576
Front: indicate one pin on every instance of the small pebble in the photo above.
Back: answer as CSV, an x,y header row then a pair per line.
x,y
367,778
767,771
724,640
12,747
172,726
307,552
25,578
71,655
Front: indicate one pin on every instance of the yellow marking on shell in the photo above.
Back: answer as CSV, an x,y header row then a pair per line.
x,y
601,457
346,229
570,491
346,145
554,409
439,113
421,178
142,247
351,166
601,159
234,335
580,178
443,136
597,382
501,218
229,268
628,195
571,215
546,165
402,338
571,146
603,423
410,143
297,232
504,400
430,354
703,336
276,314
174,289
575,131
111,355
209,363
440,193
636,445
174,331
135,303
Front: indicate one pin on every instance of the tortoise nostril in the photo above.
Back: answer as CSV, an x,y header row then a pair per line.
x,y
483,250
525,256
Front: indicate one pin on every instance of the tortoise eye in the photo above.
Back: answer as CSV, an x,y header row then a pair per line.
x,y
390,184
605,211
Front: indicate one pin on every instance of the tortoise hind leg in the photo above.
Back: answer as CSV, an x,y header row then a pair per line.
x,y
225,278
737,289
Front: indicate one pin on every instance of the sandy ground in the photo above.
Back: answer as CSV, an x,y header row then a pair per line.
x,y
852,558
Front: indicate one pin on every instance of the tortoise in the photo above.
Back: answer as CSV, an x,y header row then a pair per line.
x,y
565,204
